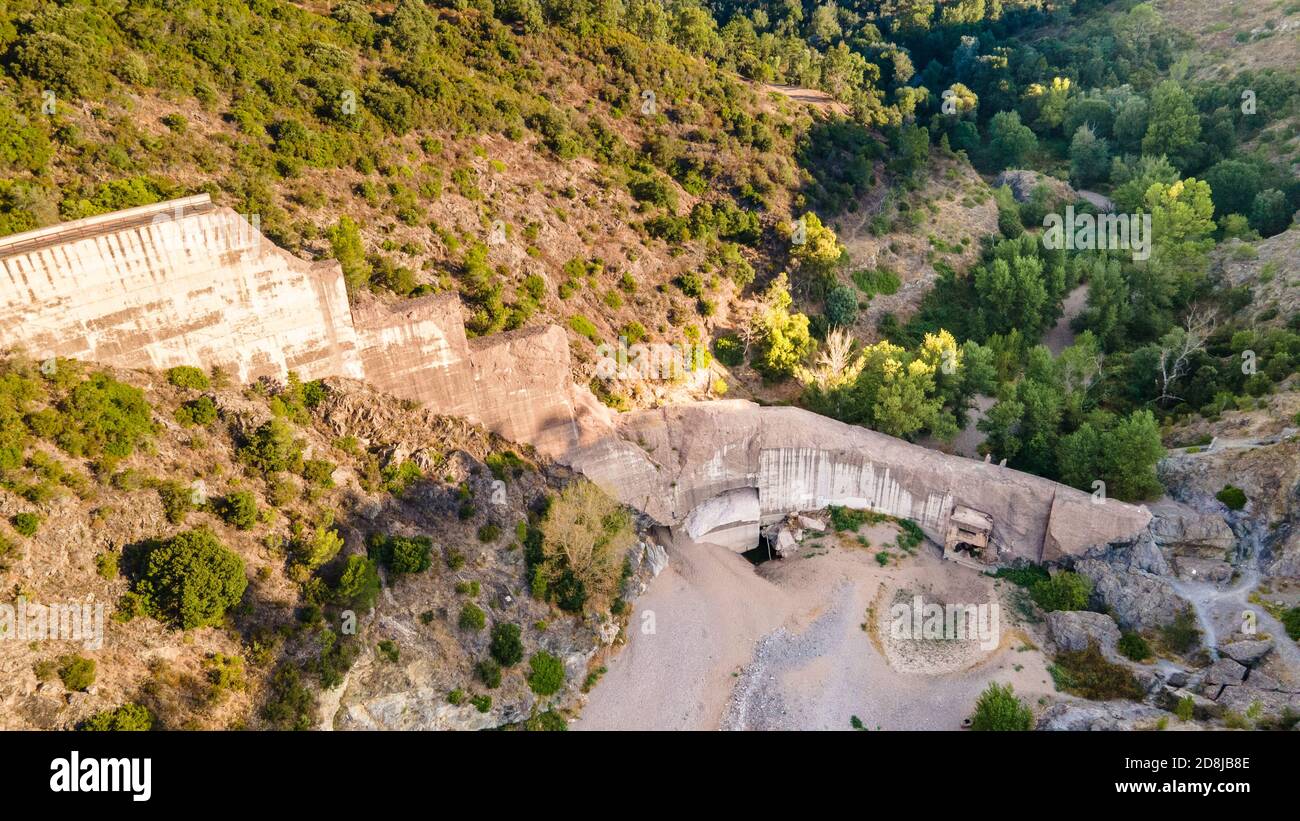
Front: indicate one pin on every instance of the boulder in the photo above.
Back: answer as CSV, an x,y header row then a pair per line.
x,y
1076,629
1267,705
1247,652
809,523
655,558
1139,600
1186,530
1262,681
1225,671
1193,569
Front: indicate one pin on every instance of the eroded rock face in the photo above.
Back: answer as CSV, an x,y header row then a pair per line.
x,y
1106,715
1140,600
1247,652
1072,630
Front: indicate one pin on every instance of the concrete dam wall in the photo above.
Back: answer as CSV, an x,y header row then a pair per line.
x,y
189,283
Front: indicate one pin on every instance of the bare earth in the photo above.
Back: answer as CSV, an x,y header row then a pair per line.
x,y
783,646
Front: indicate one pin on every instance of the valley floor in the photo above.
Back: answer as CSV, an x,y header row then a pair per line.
x,y
783,645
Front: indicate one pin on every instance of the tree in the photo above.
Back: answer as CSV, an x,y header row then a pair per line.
x,y
238,509
841,305
1173,123
547,676
191,580
1009,140
1269,213
507,647
1089,157
1131,452
998,709
358,585
1012,294
785,339
1233,186
1109,309
586,536
347,248
1066,590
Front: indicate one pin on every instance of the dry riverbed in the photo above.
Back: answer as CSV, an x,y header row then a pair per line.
x,y
804,643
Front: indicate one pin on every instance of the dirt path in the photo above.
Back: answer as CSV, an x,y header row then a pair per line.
x,y
1061,335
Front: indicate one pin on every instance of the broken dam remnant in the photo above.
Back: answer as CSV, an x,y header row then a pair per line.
x,y
189,283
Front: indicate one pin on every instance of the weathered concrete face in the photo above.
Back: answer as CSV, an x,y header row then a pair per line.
x,y
673,462
185,283
175,284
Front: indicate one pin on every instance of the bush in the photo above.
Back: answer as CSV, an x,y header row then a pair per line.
x,y
184,376
358,585
402,554
1232,496
272,448
489,672
841,306
507,647
1291,622
999,709
1133,646
729,351
1185,708
482,703
191,580
1066,590
585,537
26,523
1182,635
1089,674
318,472
547,721
201,411
128,717
547,676
472,617
489,533
177,500
238,509
77,672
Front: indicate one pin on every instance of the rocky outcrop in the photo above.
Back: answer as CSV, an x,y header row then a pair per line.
x,y
1247,652
1140,600
1072,630
1107,715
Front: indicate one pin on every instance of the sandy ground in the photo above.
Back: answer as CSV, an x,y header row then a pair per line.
x,y
783,646
1061,336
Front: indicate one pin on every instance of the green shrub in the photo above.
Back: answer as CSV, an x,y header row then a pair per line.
x,y
1066,590
318,472
177,500
472,617
191,580
1291,622
184,376
482,703
77,672
127,718
401,554
1025,575
1233,497
547,721
489,672
26,523
398,478
456,697
507,647
273,448
729,350
358,585
999,709
1133,646
389,650
1185,708
468,588
584,327
1089,674
238,509
201,411
1182,635
489,533
547,676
